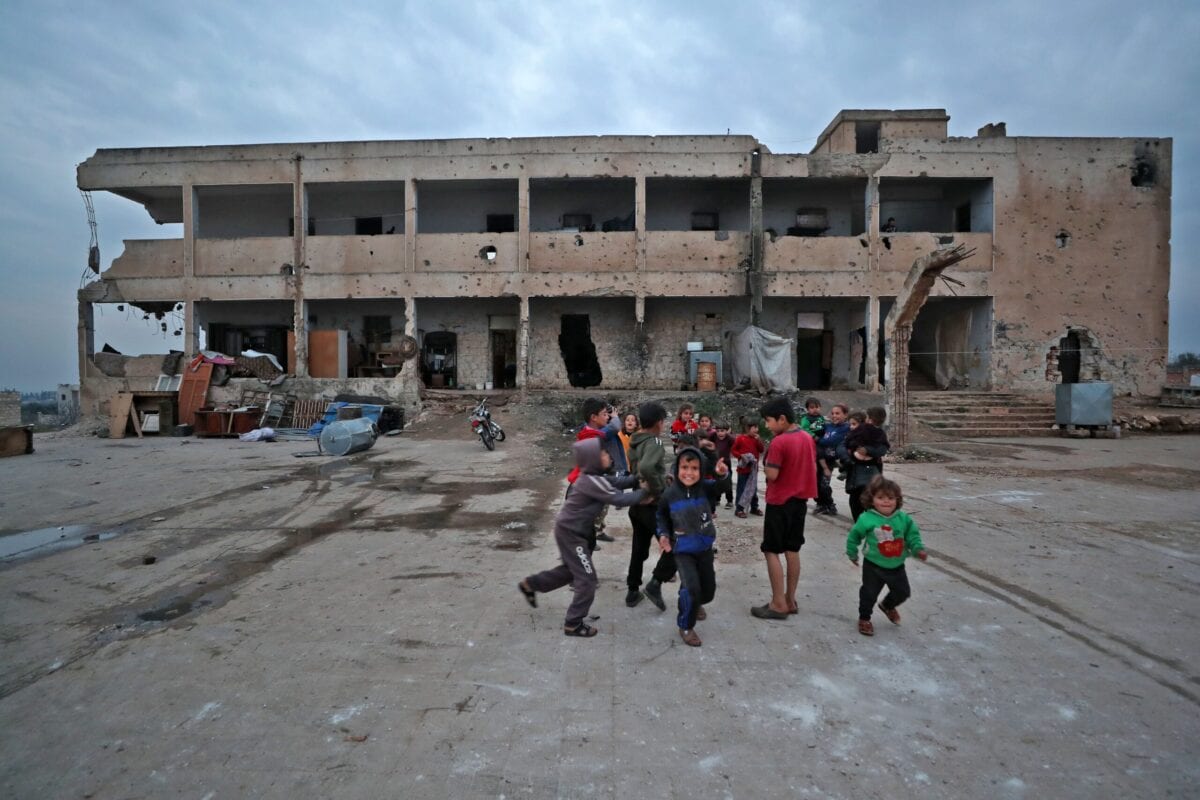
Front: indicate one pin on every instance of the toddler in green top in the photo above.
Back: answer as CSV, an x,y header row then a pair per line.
x,y
886,535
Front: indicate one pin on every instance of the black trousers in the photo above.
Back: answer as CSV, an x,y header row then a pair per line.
x,y
697,585
824,489
874,579
643,521
856,506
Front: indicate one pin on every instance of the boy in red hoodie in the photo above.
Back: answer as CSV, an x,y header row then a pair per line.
x,y
600,424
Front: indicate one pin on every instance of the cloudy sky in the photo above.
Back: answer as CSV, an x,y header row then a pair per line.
x,y
82,76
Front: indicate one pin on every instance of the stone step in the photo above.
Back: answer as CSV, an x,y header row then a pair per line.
x,y
969,433
998,411
957,424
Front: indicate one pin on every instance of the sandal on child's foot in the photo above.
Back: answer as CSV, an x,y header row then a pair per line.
x,y
892,614
689,638
530,594
582,629
866,628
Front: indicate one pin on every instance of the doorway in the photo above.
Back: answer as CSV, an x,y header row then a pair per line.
x,y
504,359
814,358
439,360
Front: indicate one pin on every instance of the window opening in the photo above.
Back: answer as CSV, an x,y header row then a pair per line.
x,y
501,223
866,137
706,221
368,226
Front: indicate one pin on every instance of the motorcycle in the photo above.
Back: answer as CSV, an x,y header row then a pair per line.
x,y
482,423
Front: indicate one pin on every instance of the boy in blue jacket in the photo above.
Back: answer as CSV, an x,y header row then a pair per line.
x,y
686,528
833,435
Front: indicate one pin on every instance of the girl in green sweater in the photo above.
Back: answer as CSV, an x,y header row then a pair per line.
x,y
886,535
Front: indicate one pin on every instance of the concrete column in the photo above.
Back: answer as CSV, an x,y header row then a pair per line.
x,y
873,207
523,224
756,246
190,209
86,331
871,377
299,305
639,309
639,220
410,225
523,344
300,331
874,245
410,316
191,329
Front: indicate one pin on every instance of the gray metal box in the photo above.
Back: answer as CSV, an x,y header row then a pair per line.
x,y
1083,403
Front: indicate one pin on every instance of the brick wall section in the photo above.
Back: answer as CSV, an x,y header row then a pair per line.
x,y
10,409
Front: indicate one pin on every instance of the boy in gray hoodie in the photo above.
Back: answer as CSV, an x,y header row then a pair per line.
x,y
574,533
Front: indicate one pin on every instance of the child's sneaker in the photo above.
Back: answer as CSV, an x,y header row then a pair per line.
x,y
728,505
633,597
740,514
701,614
892,614
756,512
602,536
866,628
689,638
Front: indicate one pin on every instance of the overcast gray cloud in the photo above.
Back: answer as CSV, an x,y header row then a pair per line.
x,y
80,76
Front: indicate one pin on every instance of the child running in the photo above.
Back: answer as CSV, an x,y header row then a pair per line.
x,y
686,529
574,533
600,423
648,462
887,535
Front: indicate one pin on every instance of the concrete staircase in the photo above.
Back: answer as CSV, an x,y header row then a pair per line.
x,y
964,415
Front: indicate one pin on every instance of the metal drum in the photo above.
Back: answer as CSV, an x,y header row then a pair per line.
x,y
347,436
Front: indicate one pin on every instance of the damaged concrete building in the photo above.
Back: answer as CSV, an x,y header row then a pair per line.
x,y
595,261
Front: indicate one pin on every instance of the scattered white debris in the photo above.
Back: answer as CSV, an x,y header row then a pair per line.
x,y
346,714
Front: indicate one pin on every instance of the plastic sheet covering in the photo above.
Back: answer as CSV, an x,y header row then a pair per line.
x,y
953,336
763,359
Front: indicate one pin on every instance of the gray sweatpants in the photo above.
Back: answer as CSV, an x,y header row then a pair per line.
x,y
576,569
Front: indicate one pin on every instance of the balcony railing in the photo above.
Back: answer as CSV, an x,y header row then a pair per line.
x,y
345,255
820,253
583,252
466,252
259,255
702,251
148,258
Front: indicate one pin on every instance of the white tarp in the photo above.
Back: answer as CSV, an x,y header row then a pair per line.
x,y
764,359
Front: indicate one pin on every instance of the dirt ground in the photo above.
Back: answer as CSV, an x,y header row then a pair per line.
x,y
211,618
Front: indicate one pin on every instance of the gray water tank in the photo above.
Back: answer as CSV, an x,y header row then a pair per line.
x,y
1083,403
347,436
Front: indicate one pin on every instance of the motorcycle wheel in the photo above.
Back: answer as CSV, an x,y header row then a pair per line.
x,y
498,432
486,434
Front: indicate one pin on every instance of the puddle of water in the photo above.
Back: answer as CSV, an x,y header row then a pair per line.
x,y
47,540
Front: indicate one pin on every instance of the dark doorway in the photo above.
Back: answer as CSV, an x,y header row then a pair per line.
x,y
1068,357
439,359
814,359
578,351
504,359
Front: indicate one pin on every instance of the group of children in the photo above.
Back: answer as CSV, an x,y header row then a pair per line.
x,y
622,461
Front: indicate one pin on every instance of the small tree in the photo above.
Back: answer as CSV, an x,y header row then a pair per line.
x,y
1185,361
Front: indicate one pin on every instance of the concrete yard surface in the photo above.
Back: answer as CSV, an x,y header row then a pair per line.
x,y
221,619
